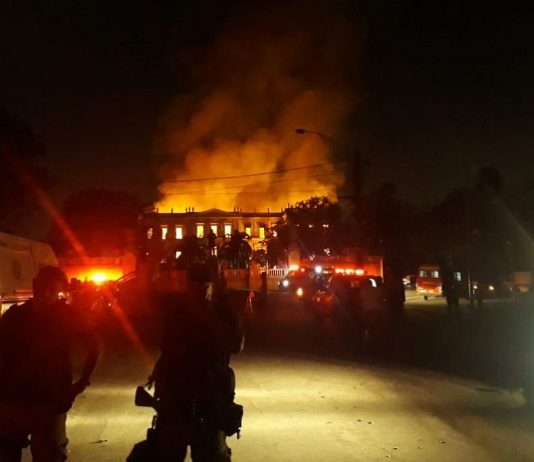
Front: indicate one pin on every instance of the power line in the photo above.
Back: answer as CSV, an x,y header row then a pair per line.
x,y
246,175
247,193
249,185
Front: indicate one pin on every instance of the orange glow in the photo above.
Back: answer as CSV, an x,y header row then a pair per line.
x,y
300,292
360,272
95,274
49,207
293,267
99,278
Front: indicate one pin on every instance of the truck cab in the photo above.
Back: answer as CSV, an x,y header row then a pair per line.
x,y
429,281
20,261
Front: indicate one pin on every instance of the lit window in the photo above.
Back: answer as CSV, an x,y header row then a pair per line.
x,y
248,230
434,274
179,232
177,254
200,231
326,225
150,233
227,230
213,228
164,231
262,232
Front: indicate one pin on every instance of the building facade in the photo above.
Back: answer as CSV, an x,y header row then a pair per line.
x,y
161,232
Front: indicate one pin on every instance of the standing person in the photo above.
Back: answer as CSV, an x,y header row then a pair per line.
x,y
194,385
451,291
36,377
395,293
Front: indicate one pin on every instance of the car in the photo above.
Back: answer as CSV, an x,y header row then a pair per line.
x,y
358,292
493,289
303,279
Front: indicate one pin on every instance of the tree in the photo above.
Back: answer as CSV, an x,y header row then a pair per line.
x,y
20,176
387,224
104,221
315,224
236,252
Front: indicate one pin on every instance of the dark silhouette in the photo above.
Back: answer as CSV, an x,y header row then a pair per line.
x,y
236,252
36,386
194,385
451,290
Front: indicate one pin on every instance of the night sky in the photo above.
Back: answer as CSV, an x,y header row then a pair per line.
x,y
435,80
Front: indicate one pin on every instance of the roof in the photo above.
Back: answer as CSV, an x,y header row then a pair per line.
x,y
216,213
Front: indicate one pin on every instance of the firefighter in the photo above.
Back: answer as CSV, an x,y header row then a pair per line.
x,y
36,387
194,385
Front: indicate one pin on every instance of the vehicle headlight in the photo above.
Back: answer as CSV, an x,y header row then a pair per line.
x,y
285,283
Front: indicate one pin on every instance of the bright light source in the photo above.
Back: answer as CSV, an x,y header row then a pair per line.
x,y
373,282
340,270
293,267
359,272
285,283
300,292
491,288
99,278
318,269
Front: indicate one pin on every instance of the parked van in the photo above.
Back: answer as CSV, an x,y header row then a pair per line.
x,y
429,281
20,261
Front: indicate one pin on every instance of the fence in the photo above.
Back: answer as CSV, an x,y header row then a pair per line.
x,y
244,279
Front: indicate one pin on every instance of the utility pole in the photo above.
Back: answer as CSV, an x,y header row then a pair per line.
x,y
468,230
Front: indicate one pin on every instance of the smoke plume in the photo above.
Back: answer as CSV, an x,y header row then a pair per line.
x,y
261,77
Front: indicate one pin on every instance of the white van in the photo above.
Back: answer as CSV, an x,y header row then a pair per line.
x,y
20,261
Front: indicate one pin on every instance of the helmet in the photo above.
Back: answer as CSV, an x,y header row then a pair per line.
x,y
49,277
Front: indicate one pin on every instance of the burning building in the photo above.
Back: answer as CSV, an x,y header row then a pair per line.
x,y
160,233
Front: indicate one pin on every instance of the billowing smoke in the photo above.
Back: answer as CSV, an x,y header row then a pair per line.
x,y
263,76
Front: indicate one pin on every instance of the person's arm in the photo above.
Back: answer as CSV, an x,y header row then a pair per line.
x,y
225,326
86,337
90,342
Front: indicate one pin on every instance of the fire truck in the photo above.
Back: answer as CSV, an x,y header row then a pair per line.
x,y
312,274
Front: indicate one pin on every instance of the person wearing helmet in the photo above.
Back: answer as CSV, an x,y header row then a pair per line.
x,y
194,385
37,387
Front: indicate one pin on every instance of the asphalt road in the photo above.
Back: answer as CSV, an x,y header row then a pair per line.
x,y
310,397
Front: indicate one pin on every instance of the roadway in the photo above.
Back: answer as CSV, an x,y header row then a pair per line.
x,y
310,398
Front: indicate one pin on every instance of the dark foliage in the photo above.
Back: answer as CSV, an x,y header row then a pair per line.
x,y
104,221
